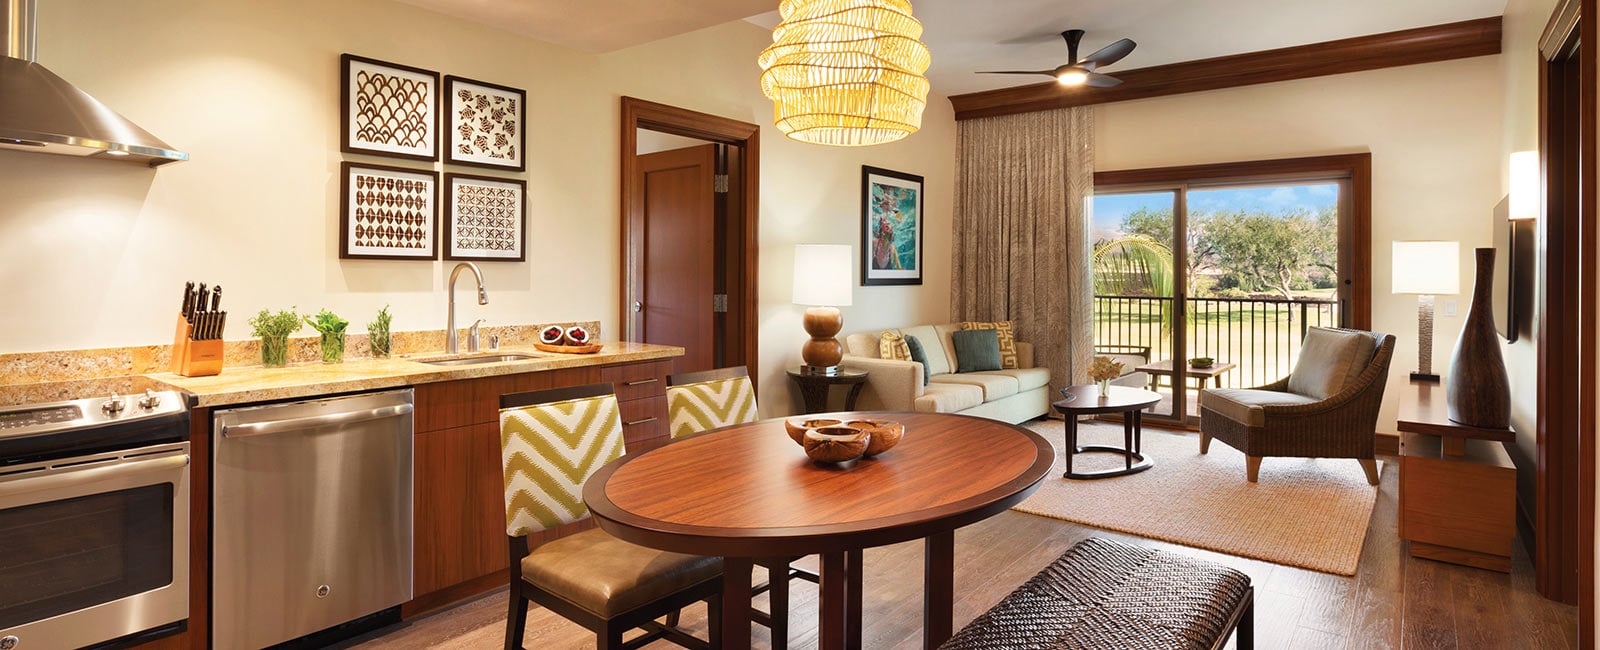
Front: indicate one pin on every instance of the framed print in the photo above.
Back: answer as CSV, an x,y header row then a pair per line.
x,y
388,213
486,124
486,219
891,227
389,109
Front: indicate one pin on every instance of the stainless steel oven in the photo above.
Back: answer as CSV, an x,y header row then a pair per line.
x,y
94,520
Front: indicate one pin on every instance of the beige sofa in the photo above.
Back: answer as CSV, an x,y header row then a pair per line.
x,y
1013,395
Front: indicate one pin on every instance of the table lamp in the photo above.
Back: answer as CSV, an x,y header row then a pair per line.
x,y
1427,269
822,282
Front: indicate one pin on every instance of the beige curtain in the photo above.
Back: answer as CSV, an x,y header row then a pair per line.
x,y
1022,249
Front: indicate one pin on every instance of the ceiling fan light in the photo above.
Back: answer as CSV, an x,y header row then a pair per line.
x,y
1072,78
846,72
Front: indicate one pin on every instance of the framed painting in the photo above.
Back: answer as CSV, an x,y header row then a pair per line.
x,y
891,227
486,124
389,109
388,213
486,219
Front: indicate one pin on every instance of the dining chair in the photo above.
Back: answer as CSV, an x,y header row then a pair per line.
x,y
702,401
551,442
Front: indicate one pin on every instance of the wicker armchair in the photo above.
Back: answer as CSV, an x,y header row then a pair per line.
x,y
1274,420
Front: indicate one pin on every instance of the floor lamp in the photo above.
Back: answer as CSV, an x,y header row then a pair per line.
x,y
1426,269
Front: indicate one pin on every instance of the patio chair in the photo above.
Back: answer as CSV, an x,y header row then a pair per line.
x,y
1326,408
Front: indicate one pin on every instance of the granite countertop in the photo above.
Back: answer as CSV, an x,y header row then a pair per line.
x,y
239,385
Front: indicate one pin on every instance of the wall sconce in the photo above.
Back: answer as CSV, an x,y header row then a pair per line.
x,y
1524,185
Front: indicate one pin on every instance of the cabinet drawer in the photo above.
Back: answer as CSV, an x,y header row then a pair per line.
x,y
644,423
638,380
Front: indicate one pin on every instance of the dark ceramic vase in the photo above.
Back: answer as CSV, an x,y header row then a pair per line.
x,y
1478,391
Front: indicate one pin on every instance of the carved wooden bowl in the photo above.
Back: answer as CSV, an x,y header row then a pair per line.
x,y
883,434
798,427
836,444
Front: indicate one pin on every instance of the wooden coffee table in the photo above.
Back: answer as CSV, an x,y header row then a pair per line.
x,y
1213,372
1086,400
748,491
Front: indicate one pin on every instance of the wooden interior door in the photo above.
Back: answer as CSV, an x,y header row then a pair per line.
x,y
674,221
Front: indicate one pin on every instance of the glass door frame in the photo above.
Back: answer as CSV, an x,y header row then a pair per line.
x,y
1353,173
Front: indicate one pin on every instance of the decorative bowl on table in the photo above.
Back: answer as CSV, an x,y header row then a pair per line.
x,y
882,435
797,427
836,445
1202,362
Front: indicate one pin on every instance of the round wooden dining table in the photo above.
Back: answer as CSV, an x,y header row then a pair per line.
x,y
748,491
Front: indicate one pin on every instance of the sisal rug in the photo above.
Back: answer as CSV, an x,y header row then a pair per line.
x,y
1303,512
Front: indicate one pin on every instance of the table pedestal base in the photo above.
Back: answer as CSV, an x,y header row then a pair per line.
x,y
1137,463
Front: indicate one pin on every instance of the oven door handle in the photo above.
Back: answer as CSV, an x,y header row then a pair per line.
x,y
313,421
91,473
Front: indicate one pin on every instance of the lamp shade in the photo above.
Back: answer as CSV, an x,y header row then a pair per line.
x,y
846,72
1427,267
1524,185
822,275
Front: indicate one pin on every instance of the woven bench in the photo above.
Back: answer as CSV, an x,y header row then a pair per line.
x,y
1107,594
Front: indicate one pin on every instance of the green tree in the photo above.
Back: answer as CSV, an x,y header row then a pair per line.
x,y
1278,252
1157,225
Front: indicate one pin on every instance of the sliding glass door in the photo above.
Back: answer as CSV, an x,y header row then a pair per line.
x,y
1213,282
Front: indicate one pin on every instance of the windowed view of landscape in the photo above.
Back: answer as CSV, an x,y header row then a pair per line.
x,y
1260,266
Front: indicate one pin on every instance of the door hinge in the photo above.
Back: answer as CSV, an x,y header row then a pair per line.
x,y
719,183
719,303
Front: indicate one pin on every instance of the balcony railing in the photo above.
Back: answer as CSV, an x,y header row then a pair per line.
x,y
1261,335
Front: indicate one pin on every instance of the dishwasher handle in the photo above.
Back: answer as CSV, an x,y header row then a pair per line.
x,y
314,421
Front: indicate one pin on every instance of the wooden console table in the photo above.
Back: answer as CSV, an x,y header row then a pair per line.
x,y
1457,485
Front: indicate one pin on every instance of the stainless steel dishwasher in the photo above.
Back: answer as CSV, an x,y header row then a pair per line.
x,y
311,515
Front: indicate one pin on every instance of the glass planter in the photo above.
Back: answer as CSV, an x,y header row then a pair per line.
x,y
379,342
1105,388
275,351
332,347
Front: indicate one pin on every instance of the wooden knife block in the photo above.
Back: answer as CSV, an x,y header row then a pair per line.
x,y
192,358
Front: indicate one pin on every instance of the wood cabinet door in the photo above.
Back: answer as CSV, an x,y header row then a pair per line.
x,y
460,531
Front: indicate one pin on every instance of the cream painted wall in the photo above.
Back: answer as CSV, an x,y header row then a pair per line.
x,y
94,252
1434,134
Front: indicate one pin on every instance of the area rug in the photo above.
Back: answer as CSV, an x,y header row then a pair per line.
x,y
1304,513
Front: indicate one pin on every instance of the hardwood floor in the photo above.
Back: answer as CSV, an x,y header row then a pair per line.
x,y
1393,601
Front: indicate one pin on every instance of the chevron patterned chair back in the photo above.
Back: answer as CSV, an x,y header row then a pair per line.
x,y
702,401
551,443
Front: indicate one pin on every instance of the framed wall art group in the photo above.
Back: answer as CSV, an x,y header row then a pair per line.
x,y
402,112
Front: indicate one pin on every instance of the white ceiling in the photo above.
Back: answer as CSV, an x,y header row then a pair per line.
x,y
970,35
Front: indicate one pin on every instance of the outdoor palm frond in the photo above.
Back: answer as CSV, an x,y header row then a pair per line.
x,y
1133,265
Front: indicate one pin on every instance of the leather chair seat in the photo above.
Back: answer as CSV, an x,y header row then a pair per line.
x,y
608,576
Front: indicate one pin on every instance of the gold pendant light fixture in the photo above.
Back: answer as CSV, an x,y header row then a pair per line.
x,y
846,73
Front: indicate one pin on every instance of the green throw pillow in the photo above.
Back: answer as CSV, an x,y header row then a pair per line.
x,y
976,350
918,355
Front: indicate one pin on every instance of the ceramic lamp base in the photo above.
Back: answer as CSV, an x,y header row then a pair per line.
x,y
823,351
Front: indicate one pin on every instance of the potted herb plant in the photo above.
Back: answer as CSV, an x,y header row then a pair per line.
x,y
378,334
274,330
332,329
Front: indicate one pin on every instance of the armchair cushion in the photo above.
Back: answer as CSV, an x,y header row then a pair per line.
x,y
1244,405
1329,359
995,385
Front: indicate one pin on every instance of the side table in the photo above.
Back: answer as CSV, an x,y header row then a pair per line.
x,y
1086,400
814,387
1457,485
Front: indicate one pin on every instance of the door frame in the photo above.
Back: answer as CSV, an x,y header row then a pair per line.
x,y
642,114
1355,232
1565,320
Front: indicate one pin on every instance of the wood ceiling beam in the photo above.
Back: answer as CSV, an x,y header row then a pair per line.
x,y
1460,40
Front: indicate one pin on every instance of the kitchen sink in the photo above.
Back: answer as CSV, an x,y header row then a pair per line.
x,y
473,361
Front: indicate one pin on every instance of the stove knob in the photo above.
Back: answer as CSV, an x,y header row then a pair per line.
x,y
150,400
113,405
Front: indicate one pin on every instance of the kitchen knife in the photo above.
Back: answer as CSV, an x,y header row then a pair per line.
x,y
183,306
216,298
188,303
205,297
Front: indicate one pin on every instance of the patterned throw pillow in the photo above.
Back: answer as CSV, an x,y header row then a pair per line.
x,y
1008,340
547,451
892,346
707,405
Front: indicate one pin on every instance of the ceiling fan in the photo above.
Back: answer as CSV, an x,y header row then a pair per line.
x,y
1077,72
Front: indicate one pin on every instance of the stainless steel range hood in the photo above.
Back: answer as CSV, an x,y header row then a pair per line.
x,y
41,112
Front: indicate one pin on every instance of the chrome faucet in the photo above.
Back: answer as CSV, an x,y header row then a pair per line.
x,y
451,345
472,336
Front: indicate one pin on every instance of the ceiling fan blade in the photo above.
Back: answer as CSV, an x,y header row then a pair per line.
x,y
1047,73
1101,80
1111,53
